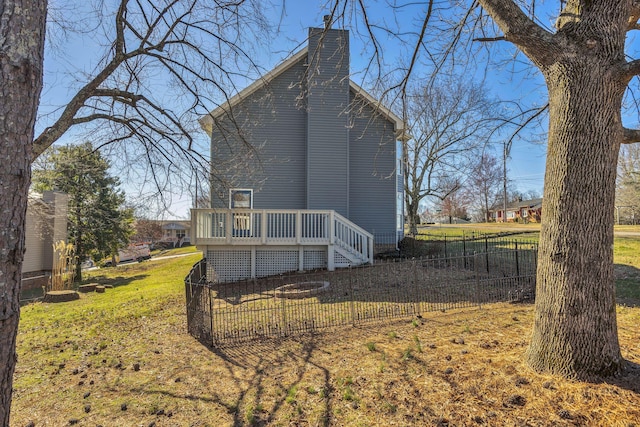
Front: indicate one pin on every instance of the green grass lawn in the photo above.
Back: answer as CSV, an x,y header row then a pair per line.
x,y
89,276
139,291
138,288
174,251
626,257
626,249
480,230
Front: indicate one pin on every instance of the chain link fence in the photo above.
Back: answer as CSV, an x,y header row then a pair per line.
x,y
283,305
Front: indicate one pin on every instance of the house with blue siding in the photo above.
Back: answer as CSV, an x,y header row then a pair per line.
x,y
306,169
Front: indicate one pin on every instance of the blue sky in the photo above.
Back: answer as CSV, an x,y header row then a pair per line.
x,y
507,81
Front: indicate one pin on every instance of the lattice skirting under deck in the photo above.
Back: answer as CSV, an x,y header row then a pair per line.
x,y
226,264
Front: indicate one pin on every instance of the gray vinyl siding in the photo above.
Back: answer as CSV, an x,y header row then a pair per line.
x,y
273,121
373,183
327,121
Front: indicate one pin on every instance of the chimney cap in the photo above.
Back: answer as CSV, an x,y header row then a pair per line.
x,y
327,21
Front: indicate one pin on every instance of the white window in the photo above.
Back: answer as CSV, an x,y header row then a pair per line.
x,y
241,198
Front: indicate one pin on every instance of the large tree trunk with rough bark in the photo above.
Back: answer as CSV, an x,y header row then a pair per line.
x,y
584,65
22,24
575,331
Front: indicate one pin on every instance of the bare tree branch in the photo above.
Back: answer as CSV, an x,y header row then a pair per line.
x,y
521,126
634,16
631,136
489,39
630,69
449,122
196,48
537,43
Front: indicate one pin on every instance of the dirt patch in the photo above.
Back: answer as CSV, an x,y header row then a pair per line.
x,y
301,290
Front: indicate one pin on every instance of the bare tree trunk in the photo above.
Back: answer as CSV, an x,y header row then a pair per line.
x,y
78,263
412,217
575,332
22,24
486,206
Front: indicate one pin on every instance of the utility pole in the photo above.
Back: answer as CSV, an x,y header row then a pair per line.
x,y
504,181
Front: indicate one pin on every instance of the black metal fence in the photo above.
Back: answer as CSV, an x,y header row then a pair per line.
x,y
294,303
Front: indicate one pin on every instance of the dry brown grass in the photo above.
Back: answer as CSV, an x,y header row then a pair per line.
x,y
64,267
456,368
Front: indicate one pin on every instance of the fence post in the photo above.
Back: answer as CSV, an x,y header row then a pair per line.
x,y
284,313
415,288
464,250
477,274
486,251
517,263
351,298
210,315
445,245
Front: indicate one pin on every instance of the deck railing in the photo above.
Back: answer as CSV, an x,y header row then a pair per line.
x,y
212,227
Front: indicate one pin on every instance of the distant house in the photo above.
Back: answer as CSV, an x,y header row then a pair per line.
x,y
518,211
46,224
312,158
176,233
173,233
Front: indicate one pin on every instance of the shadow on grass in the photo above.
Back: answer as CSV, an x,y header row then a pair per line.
x,y
629,379
295,352
250,405
117,281
627,285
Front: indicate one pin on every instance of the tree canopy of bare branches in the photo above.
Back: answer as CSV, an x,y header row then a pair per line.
x,y
484,185
163,65
448,122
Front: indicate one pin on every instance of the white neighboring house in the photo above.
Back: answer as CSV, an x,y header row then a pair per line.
x,y
175,232
46,223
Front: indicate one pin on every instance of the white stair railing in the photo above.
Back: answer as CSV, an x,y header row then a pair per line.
x,y
353,239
